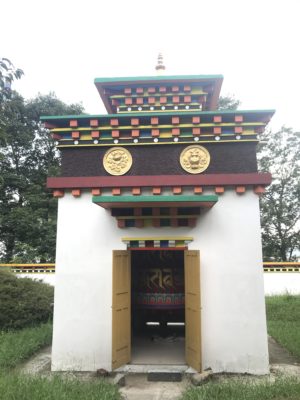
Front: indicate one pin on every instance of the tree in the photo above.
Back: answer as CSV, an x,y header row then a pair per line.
x,y
228,102
280,210
27,157
280,206
7,74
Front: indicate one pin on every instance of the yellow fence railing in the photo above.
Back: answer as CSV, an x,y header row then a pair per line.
x,y
49,268
281,266
30,268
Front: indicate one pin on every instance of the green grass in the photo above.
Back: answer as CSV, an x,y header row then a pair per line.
x,y
283,315
21,387
17,346
232,390
283,319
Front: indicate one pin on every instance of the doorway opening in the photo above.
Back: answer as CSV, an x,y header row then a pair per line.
x,y
157,307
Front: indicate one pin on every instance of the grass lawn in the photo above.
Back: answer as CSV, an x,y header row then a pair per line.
x,y
282,389
283,319
17,346
283,315
20,387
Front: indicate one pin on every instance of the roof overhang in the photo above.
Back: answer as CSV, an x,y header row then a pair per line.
x,y
177,201
103,84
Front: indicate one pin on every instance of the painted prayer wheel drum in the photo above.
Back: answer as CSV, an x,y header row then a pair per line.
x,y
158,287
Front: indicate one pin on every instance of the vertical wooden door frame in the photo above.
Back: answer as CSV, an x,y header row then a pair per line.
x,y
192,333
192,309
121,308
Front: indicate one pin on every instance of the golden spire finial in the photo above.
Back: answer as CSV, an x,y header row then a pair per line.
x,y
160,64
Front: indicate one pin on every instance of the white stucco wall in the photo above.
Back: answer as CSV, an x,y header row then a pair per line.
x,y
282,282
234,337
275,283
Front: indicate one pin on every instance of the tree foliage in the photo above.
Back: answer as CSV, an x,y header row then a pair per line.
x,y
228,102
23,301
27,157
8,73
280,210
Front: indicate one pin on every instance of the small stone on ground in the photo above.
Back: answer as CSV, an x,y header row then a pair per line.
x,y
200,379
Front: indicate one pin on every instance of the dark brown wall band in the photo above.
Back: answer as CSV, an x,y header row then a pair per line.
x,y
161,160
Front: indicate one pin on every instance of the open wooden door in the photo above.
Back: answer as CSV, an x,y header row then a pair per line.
x,y
192,309
121,313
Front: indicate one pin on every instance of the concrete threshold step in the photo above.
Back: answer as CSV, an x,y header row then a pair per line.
x,y
157,368
164,376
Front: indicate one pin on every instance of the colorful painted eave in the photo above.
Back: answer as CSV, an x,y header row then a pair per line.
x,y
157,78
85,118
104,83
156,201
157,128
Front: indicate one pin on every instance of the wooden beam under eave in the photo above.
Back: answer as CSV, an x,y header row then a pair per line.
x,y
58,193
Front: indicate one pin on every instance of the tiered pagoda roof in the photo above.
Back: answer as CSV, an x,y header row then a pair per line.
x,y
158,110
146,115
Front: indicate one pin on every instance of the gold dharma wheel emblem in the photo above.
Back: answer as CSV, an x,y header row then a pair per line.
x,y
194,159
117,161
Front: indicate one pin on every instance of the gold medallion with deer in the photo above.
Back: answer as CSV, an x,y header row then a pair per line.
x,y
117,161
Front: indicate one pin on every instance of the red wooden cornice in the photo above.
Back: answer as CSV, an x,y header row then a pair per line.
x,y
82,182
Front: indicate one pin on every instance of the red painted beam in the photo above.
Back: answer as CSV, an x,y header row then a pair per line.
x,y
159,180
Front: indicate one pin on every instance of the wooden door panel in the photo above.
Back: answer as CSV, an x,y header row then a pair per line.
x,y
121,308
192,309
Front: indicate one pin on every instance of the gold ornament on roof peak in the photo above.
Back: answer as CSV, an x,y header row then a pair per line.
x,y
160,64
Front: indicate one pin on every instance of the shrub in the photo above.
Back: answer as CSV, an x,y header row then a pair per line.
x,y
23,302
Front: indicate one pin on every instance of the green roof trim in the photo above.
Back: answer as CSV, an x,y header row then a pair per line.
x,y
216,112
156,199
156,78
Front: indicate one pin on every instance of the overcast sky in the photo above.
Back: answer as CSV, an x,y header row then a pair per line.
x,y
63,45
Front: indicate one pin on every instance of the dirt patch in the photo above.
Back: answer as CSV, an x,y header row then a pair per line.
x,y
279,355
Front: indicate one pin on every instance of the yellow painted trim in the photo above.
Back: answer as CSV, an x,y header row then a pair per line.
x,y
124,127
281,263
158,104
158,111
163,135
28,265
166,94
157,144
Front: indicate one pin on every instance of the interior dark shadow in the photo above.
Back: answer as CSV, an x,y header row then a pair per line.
x,y
157,311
